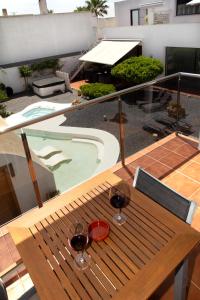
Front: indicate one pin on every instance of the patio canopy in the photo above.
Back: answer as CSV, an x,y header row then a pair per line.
x,y
109,52
194,2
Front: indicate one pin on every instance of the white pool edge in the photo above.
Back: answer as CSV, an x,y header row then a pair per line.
x,y
109,141
19,117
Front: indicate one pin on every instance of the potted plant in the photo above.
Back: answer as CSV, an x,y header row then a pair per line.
x,y
25,72
176,110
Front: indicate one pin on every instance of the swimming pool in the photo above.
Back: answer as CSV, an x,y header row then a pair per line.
x,y
84,159
37,112
91,151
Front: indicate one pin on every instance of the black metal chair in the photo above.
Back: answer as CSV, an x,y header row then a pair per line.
x,y
176,204
3,292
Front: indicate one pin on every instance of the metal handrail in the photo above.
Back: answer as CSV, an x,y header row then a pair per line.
x,y
88,103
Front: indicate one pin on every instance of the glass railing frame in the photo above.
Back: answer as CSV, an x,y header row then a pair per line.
x,y
108,97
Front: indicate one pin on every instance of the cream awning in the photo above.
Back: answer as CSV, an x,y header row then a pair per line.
x,y
109,52
194,2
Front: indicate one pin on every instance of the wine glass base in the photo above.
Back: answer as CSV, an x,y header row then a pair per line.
x,y
119,219
82,261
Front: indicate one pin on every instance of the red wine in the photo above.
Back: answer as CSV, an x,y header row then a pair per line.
x,y
118,201
78,242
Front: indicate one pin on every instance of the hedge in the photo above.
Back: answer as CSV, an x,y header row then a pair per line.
x,y
138,69
3,95
95,90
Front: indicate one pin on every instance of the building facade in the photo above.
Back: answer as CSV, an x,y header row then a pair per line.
x,y
143,12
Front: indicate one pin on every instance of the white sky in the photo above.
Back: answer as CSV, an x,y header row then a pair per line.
x,y
31,6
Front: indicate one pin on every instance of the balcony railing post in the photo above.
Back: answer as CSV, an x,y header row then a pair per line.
x,y
31,170
178,102
121,131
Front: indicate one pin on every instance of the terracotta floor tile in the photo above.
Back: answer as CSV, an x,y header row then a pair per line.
x,y
196,220
159,153
76,85
193,171
143,162
196,196
186,164
126,173
173,160
196,158
174,144
182,184
158,170
187,150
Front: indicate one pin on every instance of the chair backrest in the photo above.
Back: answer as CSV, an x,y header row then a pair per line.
x,y
163,195
3,292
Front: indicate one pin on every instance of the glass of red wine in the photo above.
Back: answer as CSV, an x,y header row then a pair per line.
x,y
118,200
78,240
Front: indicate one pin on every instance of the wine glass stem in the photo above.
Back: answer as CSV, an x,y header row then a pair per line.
x,y
120,211
82,257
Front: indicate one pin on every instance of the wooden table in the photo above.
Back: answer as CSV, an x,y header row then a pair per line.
x,y
130,264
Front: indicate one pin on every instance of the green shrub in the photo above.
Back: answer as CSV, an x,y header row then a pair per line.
x,y
3,112
46,64
3,95
2,86
95,90
25,72
138,69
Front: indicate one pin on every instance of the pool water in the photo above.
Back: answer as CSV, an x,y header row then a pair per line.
x,y
38,112
82,166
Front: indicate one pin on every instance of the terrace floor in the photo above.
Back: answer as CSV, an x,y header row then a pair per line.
x,y
176,161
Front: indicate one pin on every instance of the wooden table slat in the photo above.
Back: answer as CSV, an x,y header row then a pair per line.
x,y
150,241
156,225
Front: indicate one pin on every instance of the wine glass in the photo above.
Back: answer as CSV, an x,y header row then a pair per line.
x,y
78,240
118,199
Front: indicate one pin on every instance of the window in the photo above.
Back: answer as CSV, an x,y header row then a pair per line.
x,y
182,60
135,17
183,9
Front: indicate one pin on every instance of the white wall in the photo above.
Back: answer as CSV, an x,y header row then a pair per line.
x,y
22,183
24,38
31,37
156,37
122,11
11,76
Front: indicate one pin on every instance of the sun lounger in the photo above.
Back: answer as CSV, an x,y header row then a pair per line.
x,y
173,124
140,103
55,160
152,107
46,151
154,127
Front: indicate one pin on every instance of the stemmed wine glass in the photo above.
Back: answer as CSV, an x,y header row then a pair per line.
x,y
78,240
119,200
